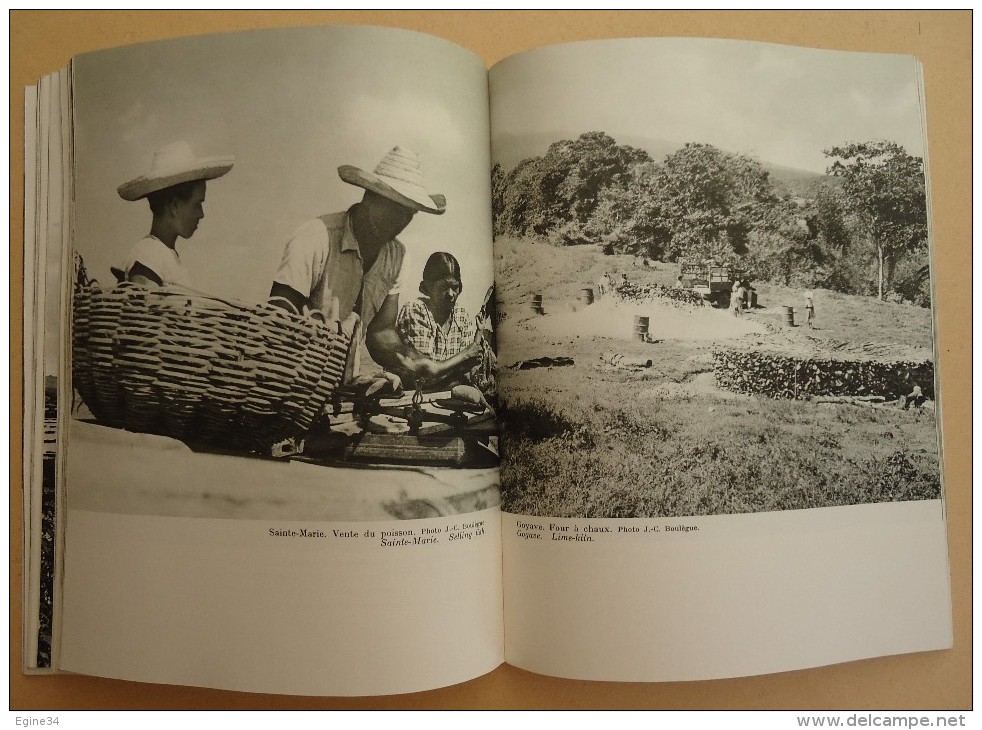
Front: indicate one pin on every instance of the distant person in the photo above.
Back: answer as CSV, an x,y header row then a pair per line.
x,y
809,309
749,295
915,398
736,298
601,286
175,189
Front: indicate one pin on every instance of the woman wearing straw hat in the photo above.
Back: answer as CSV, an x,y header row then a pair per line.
x,y
175,190
349,264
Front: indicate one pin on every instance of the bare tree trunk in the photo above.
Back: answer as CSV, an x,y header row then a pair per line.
x,y
879,256
891,266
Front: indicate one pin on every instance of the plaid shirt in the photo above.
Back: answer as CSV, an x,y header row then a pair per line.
x,y
416,326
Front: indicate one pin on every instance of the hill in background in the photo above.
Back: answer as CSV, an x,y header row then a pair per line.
x,y
510,149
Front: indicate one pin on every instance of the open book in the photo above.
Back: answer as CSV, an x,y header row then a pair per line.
x,y
710,321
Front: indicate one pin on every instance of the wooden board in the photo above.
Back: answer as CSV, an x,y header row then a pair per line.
x,y
406,449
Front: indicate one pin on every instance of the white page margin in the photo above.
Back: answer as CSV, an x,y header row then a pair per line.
x,y
743,595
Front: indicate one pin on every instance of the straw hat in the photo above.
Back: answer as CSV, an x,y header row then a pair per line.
x,y
174,164
398,177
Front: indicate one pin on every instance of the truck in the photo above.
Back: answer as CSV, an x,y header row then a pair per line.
x,y
712,282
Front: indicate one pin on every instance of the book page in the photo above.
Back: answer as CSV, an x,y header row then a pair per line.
x,y
32,548
717,367
45,297
59,337
229,526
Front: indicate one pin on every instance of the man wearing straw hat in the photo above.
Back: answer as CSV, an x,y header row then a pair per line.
x,y
350,263
175,189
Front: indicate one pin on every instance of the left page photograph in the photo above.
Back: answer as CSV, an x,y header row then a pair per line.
x,y
281,468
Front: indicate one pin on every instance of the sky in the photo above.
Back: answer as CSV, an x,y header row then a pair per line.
x,y
291,105
780,104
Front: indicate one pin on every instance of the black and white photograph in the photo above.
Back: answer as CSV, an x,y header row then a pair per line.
x,y
282,291
713,268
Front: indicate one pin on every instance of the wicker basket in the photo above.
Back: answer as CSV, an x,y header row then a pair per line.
x,y
203,370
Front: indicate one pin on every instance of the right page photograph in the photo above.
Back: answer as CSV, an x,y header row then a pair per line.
x,y
717,364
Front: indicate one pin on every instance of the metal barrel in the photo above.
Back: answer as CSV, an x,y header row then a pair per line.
x,y
537,304
641,328
789,315
586,296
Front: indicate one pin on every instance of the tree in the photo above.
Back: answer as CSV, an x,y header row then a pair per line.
x,y
557,193
498,189
786,244
712,201
629,215
884,187
830,218
523,204
577,171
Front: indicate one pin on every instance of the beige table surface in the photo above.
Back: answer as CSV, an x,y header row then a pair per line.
x,y
43,41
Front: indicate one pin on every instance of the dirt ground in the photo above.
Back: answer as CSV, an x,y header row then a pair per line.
x,y
111,470
652,434
614,319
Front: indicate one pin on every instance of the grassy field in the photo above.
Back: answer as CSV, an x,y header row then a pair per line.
x,y
589,440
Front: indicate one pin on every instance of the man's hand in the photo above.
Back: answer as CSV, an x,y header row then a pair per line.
x,y
380,385
349,324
